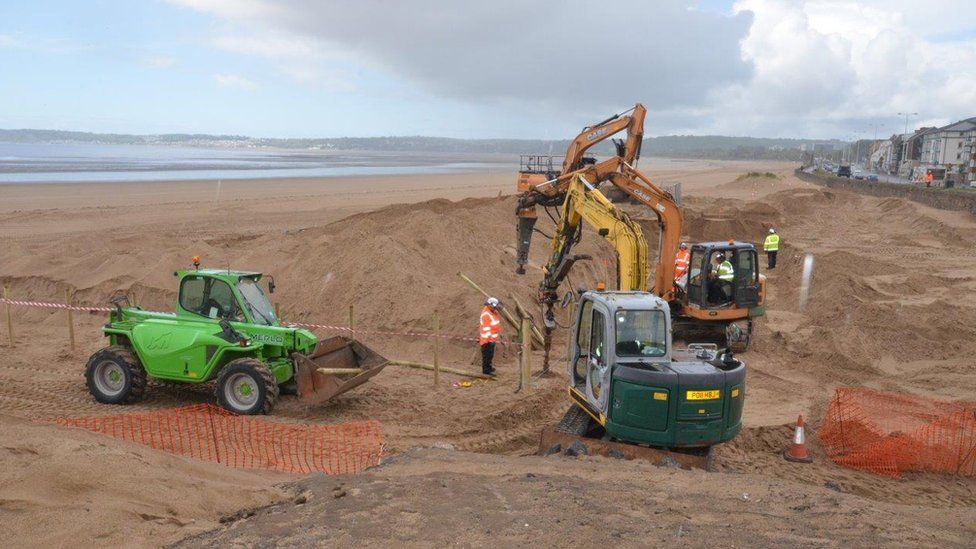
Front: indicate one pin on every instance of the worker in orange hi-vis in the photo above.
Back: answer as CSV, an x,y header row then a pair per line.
x,y
681,263
929,178
489,334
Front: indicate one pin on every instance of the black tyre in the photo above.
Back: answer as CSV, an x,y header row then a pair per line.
x,y
246,386
115,376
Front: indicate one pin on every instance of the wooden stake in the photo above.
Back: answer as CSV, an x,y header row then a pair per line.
x,y
455,371
522,311
352,323
526,357
10,320
71,319
437,344
336,371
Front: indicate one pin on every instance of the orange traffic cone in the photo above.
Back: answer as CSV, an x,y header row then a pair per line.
x,y
798,451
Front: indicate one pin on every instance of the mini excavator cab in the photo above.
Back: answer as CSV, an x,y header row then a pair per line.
x,y
712,287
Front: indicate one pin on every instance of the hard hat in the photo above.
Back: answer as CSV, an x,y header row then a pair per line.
x,y
683,246
721,256
772,230
493,303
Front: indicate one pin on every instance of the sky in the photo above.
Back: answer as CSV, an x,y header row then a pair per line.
x,y
503,69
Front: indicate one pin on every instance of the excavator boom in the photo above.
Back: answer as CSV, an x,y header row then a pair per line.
x,y
584,203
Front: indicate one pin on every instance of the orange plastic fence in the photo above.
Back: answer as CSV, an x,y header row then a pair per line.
x,y
891,433
207,432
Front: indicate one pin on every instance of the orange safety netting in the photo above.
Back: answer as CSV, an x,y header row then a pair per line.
x,y
210,433
892,433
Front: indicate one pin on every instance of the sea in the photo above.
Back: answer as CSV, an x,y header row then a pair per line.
x,y
88,163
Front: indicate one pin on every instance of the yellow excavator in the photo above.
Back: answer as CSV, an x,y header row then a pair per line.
x,y
703,305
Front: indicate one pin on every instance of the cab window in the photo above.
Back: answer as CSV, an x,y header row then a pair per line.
x,y
745,268
209,297
598,351
191,293
695,277
583,341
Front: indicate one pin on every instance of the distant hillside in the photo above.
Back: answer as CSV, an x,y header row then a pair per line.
x,y
679,146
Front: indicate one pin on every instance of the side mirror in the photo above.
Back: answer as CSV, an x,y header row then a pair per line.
x,y
271,285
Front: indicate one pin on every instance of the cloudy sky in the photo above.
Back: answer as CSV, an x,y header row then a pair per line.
x,y
504,68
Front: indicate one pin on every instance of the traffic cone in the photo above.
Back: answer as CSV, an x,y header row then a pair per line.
x,y
798,451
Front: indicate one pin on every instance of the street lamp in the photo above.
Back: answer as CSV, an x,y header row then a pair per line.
x,y
904,144
906,115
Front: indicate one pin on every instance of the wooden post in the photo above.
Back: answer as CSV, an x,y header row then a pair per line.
x,y
437,344
10,320
352,323
525,357
71,319
277,312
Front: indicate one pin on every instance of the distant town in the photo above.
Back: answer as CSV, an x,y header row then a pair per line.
x,y
948,153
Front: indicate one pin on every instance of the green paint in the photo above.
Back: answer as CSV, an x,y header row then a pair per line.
x,y
187,345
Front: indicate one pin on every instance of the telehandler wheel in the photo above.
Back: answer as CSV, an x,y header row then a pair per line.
x,y
246,386
115,376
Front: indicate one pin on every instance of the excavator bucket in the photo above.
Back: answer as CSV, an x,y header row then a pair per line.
x,y
337,365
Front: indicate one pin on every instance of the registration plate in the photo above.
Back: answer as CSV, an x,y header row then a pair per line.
x,y
703,395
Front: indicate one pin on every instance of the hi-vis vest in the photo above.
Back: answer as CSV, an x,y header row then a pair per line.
x,y
491,327
772,243
725,271
681,262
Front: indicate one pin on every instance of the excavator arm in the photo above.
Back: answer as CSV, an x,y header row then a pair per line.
x,y
627,178
628,149
584,203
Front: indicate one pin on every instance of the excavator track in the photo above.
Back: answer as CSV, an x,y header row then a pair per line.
x,y
577,426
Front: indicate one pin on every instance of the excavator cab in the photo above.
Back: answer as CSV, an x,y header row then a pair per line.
x,y
723,275
723,294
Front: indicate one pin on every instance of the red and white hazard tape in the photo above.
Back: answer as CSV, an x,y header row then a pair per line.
x,y
48,305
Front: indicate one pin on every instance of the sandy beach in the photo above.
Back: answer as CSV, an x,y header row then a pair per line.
x,y
892,308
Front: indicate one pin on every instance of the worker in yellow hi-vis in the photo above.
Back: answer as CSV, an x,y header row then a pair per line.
x,y
771,246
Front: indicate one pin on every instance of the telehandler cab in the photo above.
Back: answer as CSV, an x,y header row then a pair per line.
x,y
224,329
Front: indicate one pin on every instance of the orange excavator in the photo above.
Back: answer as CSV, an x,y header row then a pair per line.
x,y
723,290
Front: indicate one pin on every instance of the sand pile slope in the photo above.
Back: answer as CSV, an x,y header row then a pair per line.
x,y
892,307
436,497
66,487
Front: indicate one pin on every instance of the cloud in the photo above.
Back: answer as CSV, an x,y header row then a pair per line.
x,y
160,62
819,68
564,54
235,81
831,68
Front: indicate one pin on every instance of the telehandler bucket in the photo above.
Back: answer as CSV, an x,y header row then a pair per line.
x,y
337,365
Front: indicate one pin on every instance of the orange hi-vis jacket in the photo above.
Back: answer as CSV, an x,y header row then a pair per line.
x,y
681,263
491,326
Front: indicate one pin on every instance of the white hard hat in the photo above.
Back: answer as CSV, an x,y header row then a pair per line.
x,y
772,230
683,245
493,302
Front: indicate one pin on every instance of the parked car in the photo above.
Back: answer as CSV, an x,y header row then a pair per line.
x,y
844,171
872,177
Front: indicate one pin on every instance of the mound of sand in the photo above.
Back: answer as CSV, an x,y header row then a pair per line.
x,y
66,487
892,307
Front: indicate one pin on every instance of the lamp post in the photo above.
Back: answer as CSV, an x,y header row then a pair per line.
x,y
906,115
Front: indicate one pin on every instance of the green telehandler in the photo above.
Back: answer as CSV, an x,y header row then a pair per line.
x,y
224,329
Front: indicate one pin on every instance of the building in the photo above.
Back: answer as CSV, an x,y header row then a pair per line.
x,y
911,151
949,148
